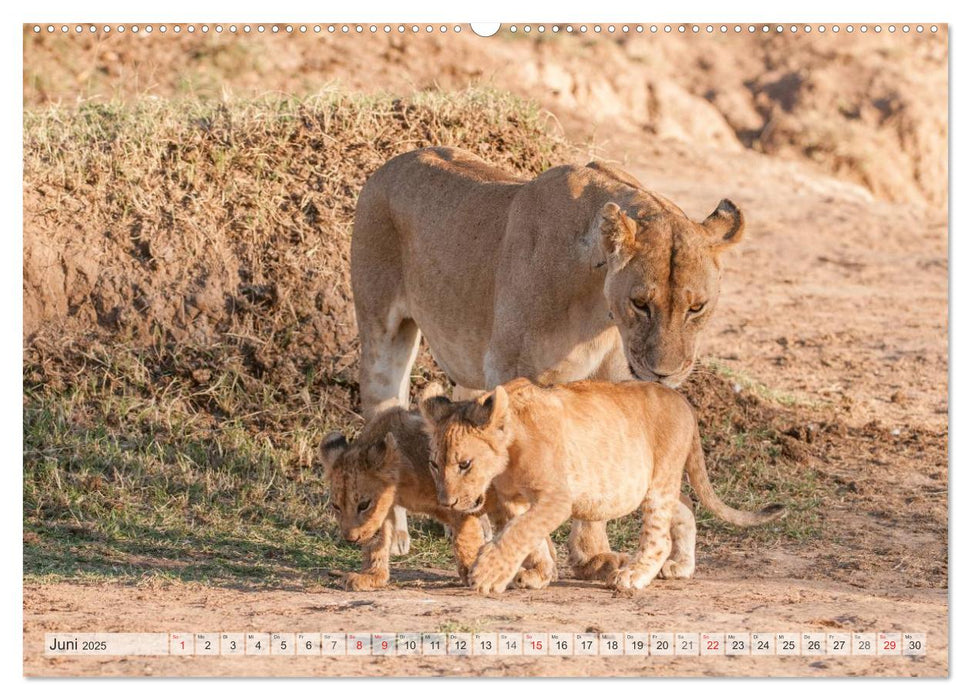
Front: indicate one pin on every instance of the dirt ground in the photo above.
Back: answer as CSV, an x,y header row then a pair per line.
x,y
706,603
836,305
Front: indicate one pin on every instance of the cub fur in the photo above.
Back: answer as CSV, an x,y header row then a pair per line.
x,y
592,451
387,467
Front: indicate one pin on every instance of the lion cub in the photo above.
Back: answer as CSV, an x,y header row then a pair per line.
x,y
387,466
588,450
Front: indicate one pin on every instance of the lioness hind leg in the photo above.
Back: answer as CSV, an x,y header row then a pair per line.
x,y
681,562
590,555
655,543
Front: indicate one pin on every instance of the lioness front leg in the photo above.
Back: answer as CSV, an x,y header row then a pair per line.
x,y
376,569
655,543
499,561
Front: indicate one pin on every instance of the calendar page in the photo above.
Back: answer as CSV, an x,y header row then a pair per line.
x,y
589,349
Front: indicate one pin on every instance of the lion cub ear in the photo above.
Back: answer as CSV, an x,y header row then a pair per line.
x,y
331,447
380,457
617,230
725,226
492,409
435,409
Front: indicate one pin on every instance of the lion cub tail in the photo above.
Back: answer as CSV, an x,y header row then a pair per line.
x,y
698,478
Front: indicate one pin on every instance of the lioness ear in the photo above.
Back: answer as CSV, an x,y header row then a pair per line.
x,y
617,230
725,226
492,409
435,409
330,449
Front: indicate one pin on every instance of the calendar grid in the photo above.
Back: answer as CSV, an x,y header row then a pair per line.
x,y
469,644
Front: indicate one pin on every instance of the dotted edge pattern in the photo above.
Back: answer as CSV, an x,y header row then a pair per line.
x,y
352,28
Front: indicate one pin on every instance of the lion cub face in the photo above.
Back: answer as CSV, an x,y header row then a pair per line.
x,y
663,281
468,447
363,482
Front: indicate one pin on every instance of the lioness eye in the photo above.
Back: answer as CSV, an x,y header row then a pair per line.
x,y
642,306
432,466
696,308
363,506
465,465
336,507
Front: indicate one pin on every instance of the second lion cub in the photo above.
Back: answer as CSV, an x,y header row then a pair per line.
x,y
587,450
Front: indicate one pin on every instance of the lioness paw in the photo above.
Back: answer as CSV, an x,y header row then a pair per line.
x,y
364,581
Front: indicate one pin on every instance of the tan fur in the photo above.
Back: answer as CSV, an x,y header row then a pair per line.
x,y
387,467
592,451
537,278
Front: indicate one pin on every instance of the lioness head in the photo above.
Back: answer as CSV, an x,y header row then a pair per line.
x,y
468,447
662,282
363,481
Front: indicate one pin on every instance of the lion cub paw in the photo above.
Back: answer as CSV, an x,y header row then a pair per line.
x,y
677,569
534,579
600,567
492,572
628,579
400,542
364,581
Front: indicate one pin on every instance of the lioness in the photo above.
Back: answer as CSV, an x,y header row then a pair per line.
x,y
587,450
579,273
388,466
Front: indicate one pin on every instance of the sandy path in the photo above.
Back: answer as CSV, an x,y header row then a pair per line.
x,y
703,604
